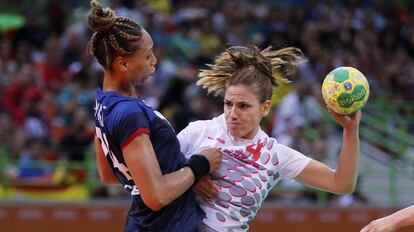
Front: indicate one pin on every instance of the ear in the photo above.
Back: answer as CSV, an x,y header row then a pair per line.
x,y
120,63
266,106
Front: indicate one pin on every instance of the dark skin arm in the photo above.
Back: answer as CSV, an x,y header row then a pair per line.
x,y
158,190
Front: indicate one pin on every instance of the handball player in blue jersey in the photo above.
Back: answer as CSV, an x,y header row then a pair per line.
x,y
135,145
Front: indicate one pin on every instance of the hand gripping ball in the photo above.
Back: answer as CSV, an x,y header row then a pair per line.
x,y
345,90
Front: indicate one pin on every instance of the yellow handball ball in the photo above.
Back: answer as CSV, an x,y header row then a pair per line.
x,y
345,90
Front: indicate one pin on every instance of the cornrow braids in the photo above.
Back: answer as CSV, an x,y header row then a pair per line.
x,y
112,35
251,67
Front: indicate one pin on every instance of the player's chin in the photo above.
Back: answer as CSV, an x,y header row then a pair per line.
x,y
149,74
146,78
143,78
235,132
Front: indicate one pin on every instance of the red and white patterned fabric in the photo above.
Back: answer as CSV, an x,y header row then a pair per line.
x,y
249,169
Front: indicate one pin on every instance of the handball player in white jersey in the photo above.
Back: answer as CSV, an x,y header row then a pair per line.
x,y
252,162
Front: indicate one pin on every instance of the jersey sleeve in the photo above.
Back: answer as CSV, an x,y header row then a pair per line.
x,y
291,162
129,121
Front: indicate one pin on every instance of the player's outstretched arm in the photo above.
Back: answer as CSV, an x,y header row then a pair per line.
x,y
158,190
393,222
343,179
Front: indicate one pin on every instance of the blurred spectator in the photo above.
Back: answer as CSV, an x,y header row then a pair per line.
x,y
199,106
8,65
6,125
21,93
51,66
31,163
79,135
33,31
298,108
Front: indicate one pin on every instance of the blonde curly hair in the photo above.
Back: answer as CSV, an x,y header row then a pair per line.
x,y
250,67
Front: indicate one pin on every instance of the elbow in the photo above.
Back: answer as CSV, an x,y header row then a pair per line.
x,y
155,202
344,185
346,190
154,206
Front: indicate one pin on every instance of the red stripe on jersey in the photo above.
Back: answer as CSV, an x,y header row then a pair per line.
x,y
133,135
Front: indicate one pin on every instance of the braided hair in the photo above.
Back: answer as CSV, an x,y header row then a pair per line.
x,y
112,35
250,67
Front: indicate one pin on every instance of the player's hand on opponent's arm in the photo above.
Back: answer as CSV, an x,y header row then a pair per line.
x,y
385,224
206,188
214,157
350,121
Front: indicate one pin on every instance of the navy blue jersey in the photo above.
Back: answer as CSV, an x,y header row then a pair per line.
x,y
120,119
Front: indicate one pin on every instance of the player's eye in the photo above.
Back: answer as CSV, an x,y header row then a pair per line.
x,y
227,103
244,105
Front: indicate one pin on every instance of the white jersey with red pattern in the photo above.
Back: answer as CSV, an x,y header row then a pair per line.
x,y
249,169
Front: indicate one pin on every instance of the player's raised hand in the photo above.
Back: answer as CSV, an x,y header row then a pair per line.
x,y
206,188
346,121
213,155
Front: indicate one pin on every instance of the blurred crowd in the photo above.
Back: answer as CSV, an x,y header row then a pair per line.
x,y
48,81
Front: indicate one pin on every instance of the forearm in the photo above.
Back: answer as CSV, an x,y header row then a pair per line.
x,y
156,189
195,168
175,184
404,217
159,190
347,169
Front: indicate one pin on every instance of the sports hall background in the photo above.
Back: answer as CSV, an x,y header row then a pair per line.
x,y
48,179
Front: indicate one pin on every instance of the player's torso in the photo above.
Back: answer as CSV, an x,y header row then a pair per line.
x,y
247,172
161,134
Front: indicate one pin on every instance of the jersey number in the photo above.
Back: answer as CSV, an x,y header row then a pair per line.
x,y
105,147
255,151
